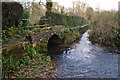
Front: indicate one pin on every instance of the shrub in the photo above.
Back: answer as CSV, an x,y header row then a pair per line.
x,y
26,15
11,14
59,19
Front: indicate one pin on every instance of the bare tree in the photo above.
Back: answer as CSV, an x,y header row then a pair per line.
x,y
79,8
56,7
89,13
119,13
49,5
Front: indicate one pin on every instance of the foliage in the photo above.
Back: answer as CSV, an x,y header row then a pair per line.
x,y
110,38
105,29
42,47
41,55
116,37
48,59
4,36
59,19
9,65
11,14
26,15
49,5
71,34
26,60
34,56
10,33
30,50
37,68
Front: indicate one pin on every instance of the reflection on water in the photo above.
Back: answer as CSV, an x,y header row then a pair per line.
x,y
85,60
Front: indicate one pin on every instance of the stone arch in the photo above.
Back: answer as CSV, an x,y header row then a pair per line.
x,y
53,42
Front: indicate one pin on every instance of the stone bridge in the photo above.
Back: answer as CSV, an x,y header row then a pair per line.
x,y
36,35
50,34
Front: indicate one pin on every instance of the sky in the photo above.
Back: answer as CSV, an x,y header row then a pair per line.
x,y
102,4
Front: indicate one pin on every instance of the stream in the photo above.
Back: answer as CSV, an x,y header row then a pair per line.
x,y
86,60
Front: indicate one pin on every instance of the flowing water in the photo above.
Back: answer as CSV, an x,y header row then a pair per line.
x,y
85,60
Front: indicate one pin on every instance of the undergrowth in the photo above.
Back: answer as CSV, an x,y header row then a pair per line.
x,y
34,63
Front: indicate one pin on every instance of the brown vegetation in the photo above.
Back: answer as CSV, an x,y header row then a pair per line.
x,y
105,29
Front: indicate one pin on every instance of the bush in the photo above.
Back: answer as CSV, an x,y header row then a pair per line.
x,y
11,14
110,38
116,36
59,19
26,15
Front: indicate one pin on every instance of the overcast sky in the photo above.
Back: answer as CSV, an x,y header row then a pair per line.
x,y
102,4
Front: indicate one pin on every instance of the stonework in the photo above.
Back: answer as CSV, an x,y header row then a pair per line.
x,y
46,34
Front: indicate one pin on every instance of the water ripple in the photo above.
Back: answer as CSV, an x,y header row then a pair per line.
x,y
85,60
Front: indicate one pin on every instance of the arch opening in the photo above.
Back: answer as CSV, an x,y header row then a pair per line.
x,y
54,43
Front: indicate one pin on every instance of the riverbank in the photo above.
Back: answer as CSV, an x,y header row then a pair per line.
x,y
105,30
21,59
108,39
28,61
86,60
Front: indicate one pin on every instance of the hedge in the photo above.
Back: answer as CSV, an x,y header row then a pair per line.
x,y
60,19
11,14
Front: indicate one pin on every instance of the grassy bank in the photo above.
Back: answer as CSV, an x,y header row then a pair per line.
x,y
33,62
